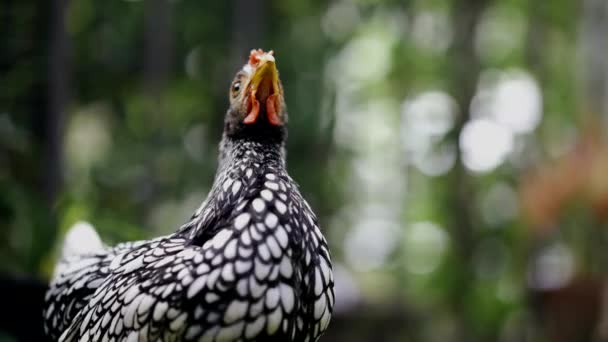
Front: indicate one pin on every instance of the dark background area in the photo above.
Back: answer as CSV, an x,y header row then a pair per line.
x,y
455,151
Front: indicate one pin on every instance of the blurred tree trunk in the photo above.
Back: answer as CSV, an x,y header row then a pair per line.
x,y
465,69
157,59
158,46
58,94
536,36
248,28
594,62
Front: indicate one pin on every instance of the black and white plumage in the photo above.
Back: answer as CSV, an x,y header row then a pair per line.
x,y
250,264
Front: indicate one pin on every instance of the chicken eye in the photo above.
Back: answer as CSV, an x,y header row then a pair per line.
x,y
236,87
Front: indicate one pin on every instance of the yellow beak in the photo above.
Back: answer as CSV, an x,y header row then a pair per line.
x,y
264,89
265,79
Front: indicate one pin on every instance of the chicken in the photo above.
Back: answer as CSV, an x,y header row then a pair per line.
x,y
250,264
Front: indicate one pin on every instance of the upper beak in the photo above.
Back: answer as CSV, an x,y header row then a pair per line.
x,y
265,80
263,88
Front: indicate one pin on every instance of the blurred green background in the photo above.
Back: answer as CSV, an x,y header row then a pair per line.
x,y
454,150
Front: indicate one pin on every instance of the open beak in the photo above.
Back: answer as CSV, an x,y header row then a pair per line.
x,y
263,88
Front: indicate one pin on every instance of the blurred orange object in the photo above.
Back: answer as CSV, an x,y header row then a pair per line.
x,y
581,174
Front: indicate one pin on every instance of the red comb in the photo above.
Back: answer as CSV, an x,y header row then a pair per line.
x,y
254,56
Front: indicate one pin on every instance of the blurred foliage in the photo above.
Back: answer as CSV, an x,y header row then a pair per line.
x,y
455,151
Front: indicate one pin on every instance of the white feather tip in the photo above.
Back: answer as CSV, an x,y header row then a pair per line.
x,y
81,239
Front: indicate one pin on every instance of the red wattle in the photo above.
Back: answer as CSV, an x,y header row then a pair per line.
x,y
252,117
271,110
